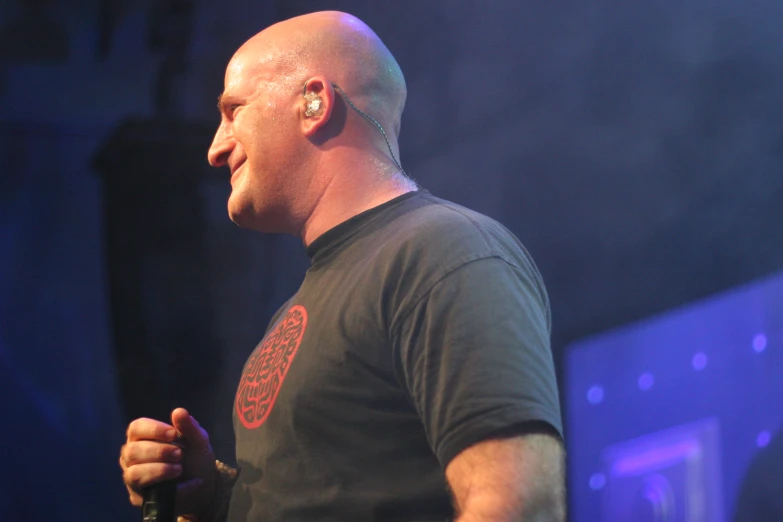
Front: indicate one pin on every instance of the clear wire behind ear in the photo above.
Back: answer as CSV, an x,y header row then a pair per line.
x,y
366,117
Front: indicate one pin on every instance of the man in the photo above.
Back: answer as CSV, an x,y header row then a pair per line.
x,y
410,377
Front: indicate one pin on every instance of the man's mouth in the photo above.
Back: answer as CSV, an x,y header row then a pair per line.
x,y
236,171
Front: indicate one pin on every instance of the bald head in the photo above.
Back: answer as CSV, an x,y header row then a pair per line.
x,y
300,159
340,47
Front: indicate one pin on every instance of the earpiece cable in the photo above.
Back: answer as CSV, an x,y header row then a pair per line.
x,y
368,118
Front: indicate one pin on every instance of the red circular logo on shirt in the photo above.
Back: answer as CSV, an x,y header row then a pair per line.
x,y
267,367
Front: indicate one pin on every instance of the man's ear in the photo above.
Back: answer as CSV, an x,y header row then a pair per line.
x,y
316,105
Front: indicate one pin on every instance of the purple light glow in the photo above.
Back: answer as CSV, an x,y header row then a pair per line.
x,y
595,395
760,343
699,361
762,439
659,492
597,481
655,458
646,380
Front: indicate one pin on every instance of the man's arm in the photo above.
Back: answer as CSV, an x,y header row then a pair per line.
x,y
475,358
519,479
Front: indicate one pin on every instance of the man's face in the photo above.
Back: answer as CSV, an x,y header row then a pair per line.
x,y
258,140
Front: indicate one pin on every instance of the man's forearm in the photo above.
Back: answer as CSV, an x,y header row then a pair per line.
x,y
495,509
515,479
540,515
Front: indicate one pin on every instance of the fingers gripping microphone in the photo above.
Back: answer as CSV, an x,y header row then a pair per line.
x,y
158,503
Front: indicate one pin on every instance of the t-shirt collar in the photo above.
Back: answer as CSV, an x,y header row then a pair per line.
x,y
336,235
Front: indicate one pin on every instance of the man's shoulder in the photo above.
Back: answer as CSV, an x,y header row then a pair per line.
x,y
437,224
448,210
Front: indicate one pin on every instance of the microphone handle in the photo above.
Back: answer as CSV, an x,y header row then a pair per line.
x,y
158,503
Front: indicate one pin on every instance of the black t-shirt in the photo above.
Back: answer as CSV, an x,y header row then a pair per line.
x,y
420,329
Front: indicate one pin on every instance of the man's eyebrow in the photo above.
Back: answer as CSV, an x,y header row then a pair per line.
x,y
226,99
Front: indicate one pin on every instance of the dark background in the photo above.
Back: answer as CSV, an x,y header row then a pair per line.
x,y
635,147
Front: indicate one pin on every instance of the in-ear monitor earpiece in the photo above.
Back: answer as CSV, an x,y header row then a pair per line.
x,y
314,104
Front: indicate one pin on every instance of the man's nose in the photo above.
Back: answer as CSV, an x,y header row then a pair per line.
x,y
221,148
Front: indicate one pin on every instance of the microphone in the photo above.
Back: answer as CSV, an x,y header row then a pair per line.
x,y
158,502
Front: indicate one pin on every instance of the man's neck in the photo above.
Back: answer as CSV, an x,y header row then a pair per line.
x,y
345,196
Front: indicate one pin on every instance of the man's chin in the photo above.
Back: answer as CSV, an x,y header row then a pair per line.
x,y
240,216
246,216
239,213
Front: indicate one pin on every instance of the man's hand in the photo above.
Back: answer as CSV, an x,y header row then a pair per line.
x,y
519,478
156,451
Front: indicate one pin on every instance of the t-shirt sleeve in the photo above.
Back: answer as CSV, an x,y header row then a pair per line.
x,y
475,357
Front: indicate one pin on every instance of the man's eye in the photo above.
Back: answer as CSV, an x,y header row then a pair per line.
x,y
232,108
